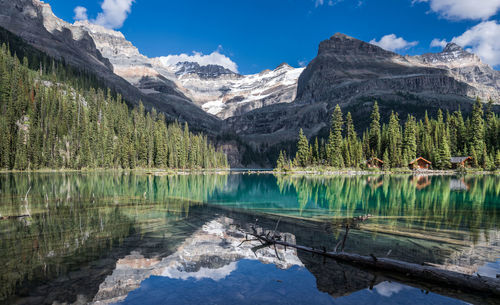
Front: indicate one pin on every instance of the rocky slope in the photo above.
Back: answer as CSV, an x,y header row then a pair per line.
x,y
229,94
354,73
466,67
35,22
219,91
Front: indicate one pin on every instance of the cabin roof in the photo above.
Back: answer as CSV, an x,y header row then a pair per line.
x,y
459,159
374,159
420,158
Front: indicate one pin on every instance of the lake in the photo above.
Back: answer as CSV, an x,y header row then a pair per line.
x,y
130,238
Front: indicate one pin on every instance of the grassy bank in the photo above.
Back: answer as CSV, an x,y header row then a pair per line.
x,y
332,171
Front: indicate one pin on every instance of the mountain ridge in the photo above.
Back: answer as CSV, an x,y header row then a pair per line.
x,y
34,21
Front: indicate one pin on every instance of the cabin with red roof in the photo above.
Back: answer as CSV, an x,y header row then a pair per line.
x,y
374,163
420,164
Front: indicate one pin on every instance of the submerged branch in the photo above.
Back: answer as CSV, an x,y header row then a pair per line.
x,y
409,270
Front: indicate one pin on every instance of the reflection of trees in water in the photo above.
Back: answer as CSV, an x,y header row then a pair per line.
x,y
72,218
402,200
46,190
37,247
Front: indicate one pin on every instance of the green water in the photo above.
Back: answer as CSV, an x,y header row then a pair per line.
x,y
65,237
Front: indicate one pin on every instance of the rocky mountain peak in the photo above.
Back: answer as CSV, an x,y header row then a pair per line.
x,y
341,44
452,56
339,35
206,71
98,29
112,44
453,47
284,66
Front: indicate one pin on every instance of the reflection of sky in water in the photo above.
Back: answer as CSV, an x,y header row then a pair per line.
x,y
490,269
253,282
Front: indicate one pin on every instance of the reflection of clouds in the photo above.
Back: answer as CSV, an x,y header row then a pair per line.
x,y
212,252
387,289
489,269
203,273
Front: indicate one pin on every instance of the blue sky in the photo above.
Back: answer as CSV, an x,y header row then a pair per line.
x,y
261,34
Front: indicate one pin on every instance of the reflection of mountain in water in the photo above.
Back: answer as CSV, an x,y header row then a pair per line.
x,y
96,237
212,251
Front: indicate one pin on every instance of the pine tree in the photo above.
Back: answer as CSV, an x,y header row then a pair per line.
x,y
387,161
374,136
410,140
477,128
302,158
491,133
335,140
394,141
281,163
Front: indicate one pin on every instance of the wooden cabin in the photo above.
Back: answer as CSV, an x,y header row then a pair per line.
x,y
459,162
420,164
374,163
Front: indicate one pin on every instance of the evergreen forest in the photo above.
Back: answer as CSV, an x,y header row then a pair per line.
x,y
397,143
55,116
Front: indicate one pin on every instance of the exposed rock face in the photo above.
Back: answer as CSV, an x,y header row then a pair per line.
x,y
354,73
80,45
219,91
204,72
227,94
466,67
347,69
36,24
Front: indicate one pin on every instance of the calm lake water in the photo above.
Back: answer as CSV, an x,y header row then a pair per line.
x,y
124,238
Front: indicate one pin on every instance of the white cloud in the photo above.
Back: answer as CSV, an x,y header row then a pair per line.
x,y
214,58
80,13
387,289
437,43
113,15
329,2
302,63
483,40
464,9
392,43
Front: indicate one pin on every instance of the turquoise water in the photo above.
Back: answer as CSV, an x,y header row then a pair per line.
x,y
139,239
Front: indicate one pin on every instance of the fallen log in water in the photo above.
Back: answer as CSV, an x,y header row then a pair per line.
x,y
13,217
425,273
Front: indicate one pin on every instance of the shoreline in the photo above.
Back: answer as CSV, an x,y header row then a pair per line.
x,y
358,172
223,171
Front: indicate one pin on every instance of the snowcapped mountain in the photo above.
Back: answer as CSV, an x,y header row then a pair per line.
x,y
217,90
230,94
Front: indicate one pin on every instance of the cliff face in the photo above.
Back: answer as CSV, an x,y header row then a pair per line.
x,y
217,90
347,69
78,44
354,74
227,94
34,22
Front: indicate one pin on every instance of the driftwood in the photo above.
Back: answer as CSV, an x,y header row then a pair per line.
x,y
412,271
13,217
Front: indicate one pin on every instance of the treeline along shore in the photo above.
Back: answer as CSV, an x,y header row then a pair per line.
x,y
54,116
447,141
